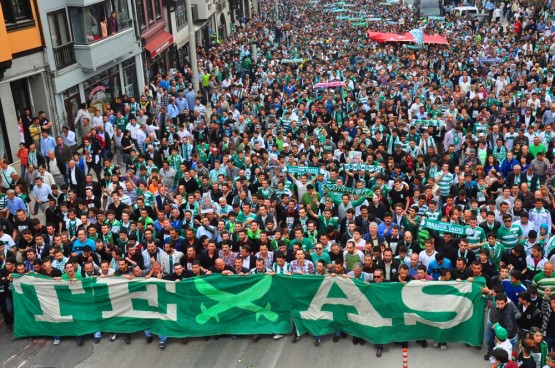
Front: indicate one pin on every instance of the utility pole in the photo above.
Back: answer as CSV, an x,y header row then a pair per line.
x,y
192,45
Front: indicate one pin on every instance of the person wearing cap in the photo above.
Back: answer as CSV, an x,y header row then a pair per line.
x,y
501,339
502,315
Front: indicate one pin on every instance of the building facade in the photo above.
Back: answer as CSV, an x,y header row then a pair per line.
x,y
23,70
93,48
70,52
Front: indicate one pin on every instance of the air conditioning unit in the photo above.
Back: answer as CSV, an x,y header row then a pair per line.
x,y
194,9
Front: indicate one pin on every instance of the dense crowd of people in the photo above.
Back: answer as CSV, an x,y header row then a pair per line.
x,y
262,172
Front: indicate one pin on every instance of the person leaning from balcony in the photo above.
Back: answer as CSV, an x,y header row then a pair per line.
x,y
113,24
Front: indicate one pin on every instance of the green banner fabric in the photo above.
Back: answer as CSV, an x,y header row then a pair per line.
x,y
341,189
447,227
363,167
303,170
291,61
427,123
256,304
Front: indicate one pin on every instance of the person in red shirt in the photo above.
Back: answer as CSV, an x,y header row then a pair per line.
x,y
23,155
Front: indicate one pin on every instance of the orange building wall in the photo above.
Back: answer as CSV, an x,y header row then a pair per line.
x,y
5,48
19,40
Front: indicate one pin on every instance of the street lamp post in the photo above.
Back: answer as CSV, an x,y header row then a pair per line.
x,y
192,45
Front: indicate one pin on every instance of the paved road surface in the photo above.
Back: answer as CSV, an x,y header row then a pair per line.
x,y
225,353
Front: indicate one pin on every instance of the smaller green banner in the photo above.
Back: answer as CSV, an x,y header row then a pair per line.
x,y
362,167
291,61
303,170
427,123
365,192
446,227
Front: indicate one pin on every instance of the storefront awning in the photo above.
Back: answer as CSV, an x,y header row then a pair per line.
x,y
159,44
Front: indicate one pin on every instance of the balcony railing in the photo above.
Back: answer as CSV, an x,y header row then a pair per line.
x,y
64,56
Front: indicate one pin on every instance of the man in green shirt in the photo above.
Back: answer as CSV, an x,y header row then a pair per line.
x,y
311,198
121,122
326,221
71,273
509,234
304,243
537,147
352,256
495,248
476,236
545,279
320,254
246,216
444,179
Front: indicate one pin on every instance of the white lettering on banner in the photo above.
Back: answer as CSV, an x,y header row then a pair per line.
x,y
414,298
367,315
122,300
48,298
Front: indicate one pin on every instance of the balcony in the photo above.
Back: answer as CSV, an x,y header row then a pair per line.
x,y
205,8
98,52
64,56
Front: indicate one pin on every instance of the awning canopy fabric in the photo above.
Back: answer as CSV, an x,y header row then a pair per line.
x,y
159,44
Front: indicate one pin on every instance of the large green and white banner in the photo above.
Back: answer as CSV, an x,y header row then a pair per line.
x,y
261,304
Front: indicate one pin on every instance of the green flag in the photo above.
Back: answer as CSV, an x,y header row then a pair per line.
x,y
447,227
341,189
256,304
303,170
362,167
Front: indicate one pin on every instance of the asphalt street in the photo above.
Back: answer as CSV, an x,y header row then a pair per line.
x,y
225,353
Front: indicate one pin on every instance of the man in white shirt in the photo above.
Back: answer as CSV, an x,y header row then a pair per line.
x,y
97,120
41,191
133,127
428,254
69,139
6,172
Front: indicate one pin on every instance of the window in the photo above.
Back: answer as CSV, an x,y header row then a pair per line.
x,y
149,12
181,14
99,21
64,54
122,13
17,14
158,10
141,14
59,31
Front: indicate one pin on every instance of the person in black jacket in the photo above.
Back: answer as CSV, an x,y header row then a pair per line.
x,y
388,265
461,271
503,312
6,297
528,316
